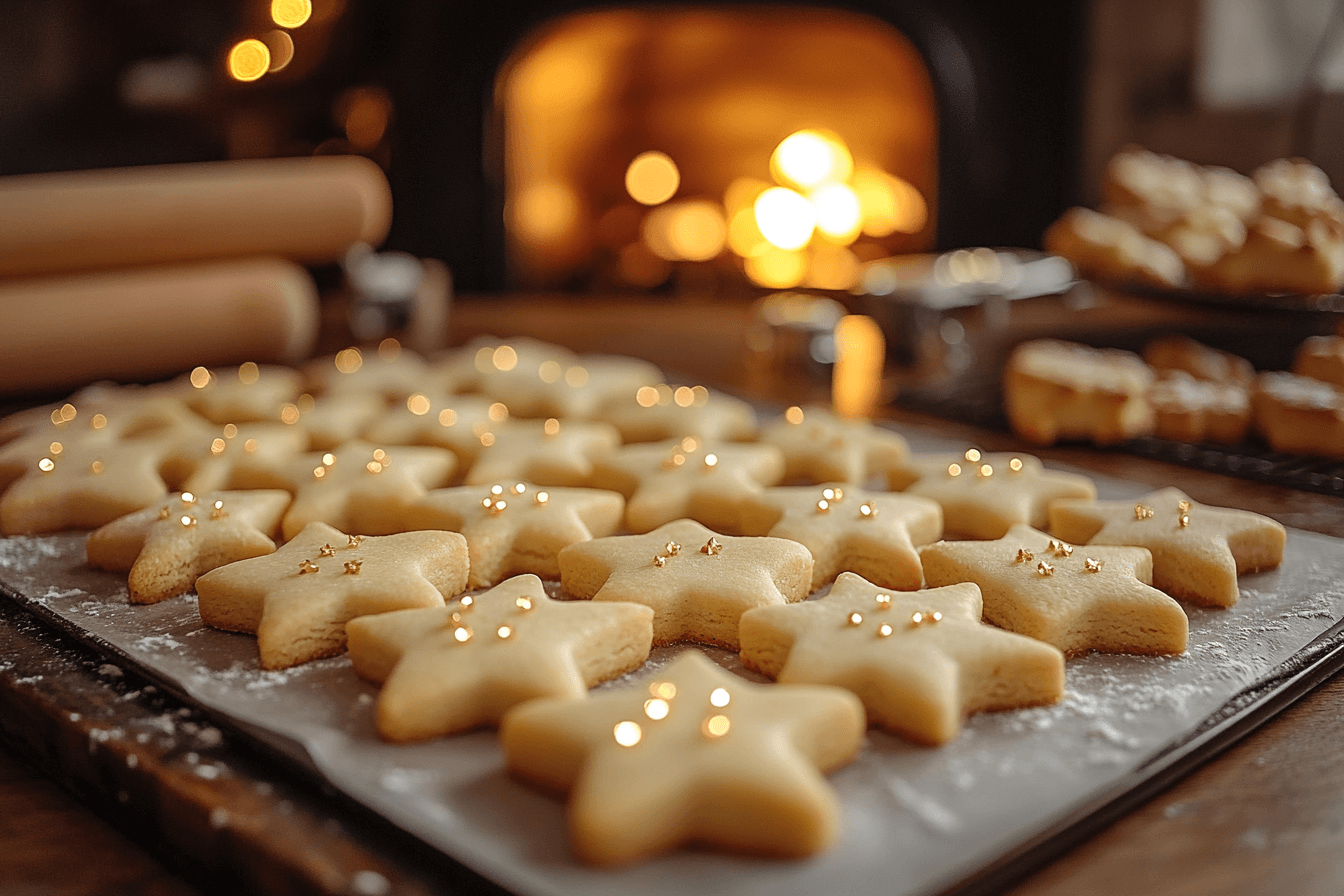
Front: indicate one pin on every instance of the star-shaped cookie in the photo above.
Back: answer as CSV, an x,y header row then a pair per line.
x,y
518,528
699,583
298,599
697,755
547,452
205,462
821,447
84,487
453,668
704,481
357,487
167,546
983,495
1198,551
251,392
651,413
391,373
456,422
919,662
848,529
1076,598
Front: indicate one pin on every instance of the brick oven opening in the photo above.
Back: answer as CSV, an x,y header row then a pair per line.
x,y
714,149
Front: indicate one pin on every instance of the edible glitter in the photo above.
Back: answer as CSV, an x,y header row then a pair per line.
x,y
672,549
1183,520
1060,548
1044,569
1024,556
354,541
660,561
1183,506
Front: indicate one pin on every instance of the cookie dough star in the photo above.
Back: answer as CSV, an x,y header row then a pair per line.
x,y
697,755
919,662
1198,551
983,495
298,599
450,669
167,546
519,528
848,529
706,482
1076,598
698,583
84,487
821,447
547,452
356,488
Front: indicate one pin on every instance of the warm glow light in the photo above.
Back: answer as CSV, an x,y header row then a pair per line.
x,y
742,193
505,358
889,203
281,46
652,178
807,159
291,13
367,111
544,212
627,734
248,372
657,230
418,404
785,218
860,353
696,231
839,214
348,360
834,267
776,268
744,237
249,60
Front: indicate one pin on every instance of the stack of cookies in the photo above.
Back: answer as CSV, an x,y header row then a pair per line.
x,y
492,533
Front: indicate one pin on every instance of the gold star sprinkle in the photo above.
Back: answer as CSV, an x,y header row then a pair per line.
x,y
854,619
884,631
1024,556
504,632
1183,520
660,561
164,513
954,469
713,546
97,467
1091,565
985,471
1060,549
217,512
823,506
833,494
883,601
711,461
355,541
352,567
326,551
1183,506
188,521
1044,569
1142,513
542,498
672,549
461,634
523,603
867,510
307,566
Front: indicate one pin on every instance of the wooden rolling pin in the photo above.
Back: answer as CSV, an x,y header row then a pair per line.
x,y
308,210
60,332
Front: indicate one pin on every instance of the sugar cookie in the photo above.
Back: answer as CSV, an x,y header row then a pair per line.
x,y
821,447
83,487
547,452
250,393
651,413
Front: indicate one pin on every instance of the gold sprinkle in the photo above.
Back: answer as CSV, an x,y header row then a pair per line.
x,y
1044,569
627,734
868,510
716,726
713,546
1183,506
664,689
187,521
1142,513
884,631
954,469
720,697
883,601
188,498
542,498
523,603
517,488
823,506
656,708
985,471
326,551
1024,556
683,397
307,566
1060,548
97,467
230,431
973,455
660,561
164,513
55,448
504,632
794,415
319,472
1015,465
487,501
217,512
551,427
46,465
833,494
328,459
1183,520
250,446
217,446
354,541
461,634
937,616
916,619
98,421
498,507
496,490
352,567
1091,565
672,549
854,619
467,600
711,461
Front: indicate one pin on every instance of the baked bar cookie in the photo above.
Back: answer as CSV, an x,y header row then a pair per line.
x,y
821,447
518,528
983,495
919,662
699,583
1200,361
1192,410
1061,390
1198,551
846,528
547,452
697,755
462,666
705,481
84,487
651,413
1076,598
298,599
251,393
166,547
1299,415
1321,358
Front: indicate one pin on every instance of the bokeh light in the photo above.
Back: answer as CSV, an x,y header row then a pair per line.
x,y
890,204
249,60
281,47
291,13
839,214
697,231
809,158
776,268
652,178
744,237
785,218
544,212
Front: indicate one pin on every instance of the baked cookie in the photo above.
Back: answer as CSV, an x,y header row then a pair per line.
x,y
166,547
518,528
574,390
205,462
507,367
40,437
1108,248
1200,361
699,583
1056,390
651,413
919,662
1077,598
821,447
1321,358
983,495
1281,257
251,393
1299,415
1192,410
461,666
357,488
1296,191
1198,551
392,373
547,452
332,420
697,755
846,528
704,481
298,599
456,422
84,487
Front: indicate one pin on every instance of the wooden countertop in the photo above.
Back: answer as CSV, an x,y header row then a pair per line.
x,y
1265,816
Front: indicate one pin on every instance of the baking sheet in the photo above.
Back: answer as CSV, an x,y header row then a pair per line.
x,y
915,820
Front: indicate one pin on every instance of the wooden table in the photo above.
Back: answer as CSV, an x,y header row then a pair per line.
x,y
1265,816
